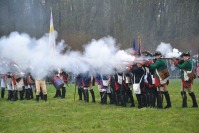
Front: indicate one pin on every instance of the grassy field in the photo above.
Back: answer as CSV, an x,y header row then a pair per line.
x,y
67,115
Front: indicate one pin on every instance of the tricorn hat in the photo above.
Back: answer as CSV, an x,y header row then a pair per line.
x,y
157,53
185,54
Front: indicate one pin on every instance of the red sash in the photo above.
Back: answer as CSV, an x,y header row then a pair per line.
x,y
65,79
18,80
157,81
186,83
117,86
28,80
13,80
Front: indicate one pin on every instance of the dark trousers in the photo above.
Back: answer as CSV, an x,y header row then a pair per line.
x,y
10,95
139,100
57,93
81,93
2,92
130,96
30,94
118,98
151,97
21,94
123,96
114,96
159,96
63,95
15,95
92,95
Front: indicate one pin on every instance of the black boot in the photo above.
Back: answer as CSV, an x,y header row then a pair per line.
x,y
9,95
148,100
63,92
193,97
184,99
56,94
23,92
130,95
14,95
45,97
86,95
41,95
21,95
80,93
110,98
31,94
37,98
59,93
123,100
127,99
28,94
152,101
101,94
159,100
139,100
104,97
93,95
167,97
118,99
2,92
143,100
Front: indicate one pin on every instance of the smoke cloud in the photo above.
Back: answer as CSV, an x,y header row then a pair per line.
x,y
36,56
167,50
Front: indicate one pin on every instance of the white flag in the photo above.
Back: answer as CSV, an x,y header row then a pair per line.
x,y
51,33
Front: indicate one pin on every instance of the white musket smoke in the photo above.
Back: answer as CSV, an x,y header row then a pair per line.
x,y
36,56
167,50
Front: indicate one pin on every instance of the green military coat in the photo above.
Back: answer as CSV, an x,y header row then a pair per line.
x,y
186,66
160,65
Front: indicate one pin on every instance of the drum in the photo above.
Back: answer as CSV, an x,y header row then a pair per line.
x,y
57,82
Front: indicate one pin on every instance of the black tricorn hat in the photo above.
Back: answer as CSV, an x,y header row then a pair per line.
x,y
157,53
185,54
146,53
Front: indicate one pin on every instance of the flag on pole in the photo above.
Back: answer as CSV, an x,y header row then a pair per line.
x,y
133,46
139,46
51,33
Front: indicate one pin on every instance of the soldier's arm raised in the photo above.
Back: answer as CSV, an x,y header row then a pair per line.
x,y
182,66
155,65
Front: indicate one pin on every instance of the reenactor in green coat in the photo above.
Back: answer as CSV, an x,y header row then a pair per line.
x,y
161,79
187,79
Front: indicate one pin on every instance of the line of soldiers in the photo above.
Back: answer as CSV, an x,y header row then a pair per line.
x,y
149,81
24,86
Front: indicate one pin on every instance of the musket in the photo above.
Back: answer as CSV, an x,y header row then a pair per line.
x,y
174,58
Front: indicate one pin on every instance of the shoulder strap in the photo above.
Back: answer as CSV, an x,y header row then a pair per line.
x,y
141,79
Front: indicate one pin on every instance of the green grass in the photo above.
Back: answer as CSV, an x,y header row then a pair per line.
x,y
67,115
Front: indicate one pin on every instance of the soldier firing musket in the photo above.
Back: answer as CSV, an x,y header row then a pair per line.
x,y
187,75
161,78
